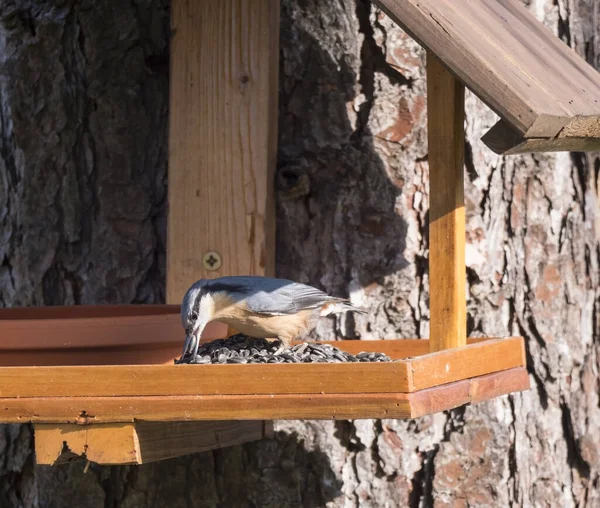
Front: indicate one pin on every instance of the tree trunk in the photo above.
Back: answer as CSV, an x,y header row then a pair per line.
x,y
83,153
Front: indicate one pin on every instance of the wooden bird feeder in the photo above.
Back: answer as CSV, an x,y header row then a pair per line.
x,y
100,381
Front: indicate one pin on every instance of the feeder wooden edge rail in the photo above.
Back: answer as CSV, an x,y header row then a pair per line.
x,y
407,388
313,406
402,376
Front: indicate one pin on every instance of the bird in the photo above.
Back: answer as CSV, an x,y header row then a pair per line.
x,y
260,307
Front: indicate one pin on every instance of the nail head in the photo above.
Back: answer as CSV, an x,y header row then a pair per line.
x,y
211,261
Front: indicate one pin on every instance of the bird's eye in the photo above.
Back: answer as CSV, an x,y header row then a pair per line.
x,y
192,318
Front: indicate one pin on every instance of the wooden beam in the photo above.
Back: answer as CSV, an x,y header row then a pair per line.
x,y
139,442
582,127
235,379
222,140
108,443
267,379
289,407
509,59
504,140
222,146
467,362
211,407
470,391
447,272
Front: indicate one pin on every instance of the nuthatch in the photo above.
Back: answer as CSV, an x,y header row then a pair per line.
x,y
260,307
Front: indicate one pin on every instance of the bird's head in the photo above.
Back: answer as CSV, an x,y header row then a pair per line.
x,y
197,309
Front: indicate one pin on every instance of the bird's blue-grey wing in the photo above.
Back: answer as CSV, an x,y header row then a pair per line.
x,y
287,299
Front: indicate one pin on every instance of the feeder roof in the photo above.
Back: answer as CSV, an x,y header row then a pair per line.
x,y
541,88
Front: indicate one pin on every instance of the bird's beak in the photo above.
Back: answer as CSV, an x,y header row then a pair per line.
x,y
195,338
192,340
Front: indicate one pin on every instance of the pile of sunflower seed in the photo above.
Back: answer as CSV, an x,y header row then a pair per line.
x,y
243,349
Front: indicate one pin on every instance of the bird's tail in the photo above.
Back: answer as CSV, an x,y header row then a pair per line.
x,y
338,307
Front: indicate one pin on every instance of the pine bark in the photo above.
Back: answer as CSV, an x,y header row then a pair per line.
x,y
83,175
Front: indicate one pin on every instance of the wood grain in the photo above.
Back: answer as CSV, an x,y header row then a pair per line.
x,y
258,407
504,140
207,407
470,391
110,443
119,380
222,139
447,272
155,354
137,442
560,144
493,385
467,362
110,341
156,380
506,57
164,440
582,127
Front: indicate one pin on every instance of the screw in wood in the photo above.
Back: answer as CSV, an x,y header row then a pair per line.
x,y
212,261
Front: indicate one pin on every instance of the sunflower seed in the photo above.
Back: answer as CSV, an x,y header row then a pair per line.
x,y
243,349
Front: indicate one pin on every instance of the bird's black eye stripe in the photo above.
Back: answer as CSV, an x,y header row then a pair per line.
x,y
196,307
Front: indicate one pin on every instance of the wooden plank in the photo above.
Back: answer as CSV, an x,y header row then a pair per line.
x,y
222,148
138,442
259,407
94,335
504,140
157,354
560,144
146,380
467,362
447,272
206,407
582,127
165,440
111,443
507,58
222,139
470,391
119,380
494,385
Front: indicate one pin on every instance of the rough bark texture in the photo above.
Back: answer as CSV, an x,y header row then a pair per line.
x,y
83,152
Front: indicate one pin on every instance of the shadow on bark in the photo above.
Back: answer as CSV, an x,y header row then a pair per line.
x,y
336,220
279,472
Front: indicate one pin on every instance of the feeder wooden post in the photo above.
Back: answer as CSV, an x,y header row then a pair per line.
x,y
447,272
222,140
222,145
